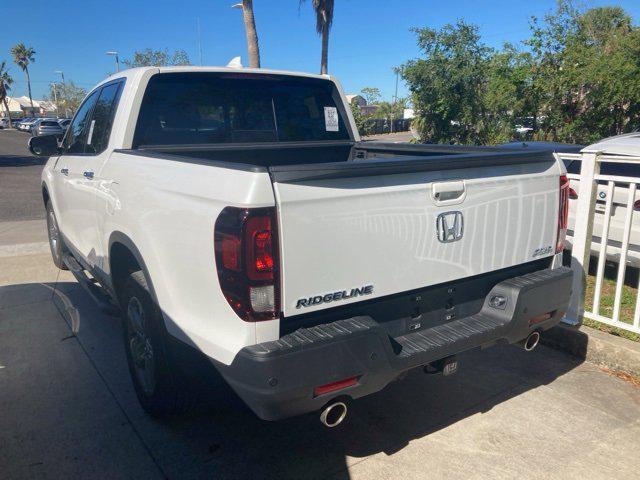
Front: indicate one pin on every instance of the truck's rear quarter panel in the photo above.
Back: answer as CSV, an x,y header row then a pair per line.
x,y
168,208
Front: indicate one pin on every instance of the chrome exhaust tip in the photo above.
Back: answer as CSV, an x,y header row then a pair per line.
x,y
531,342
333,414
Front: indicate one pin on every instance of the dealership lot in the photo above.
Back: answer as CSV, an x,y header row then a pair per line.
x,y
69,410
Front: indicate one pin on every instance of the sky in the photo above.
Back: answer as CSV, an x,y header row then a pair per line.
x,y
368,38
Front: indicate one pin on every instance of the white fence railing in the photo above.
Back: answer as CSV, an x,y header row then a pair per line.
x,y
619,194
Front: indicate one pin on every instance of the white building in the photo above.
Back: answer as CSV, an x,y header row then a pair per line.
x,y
21,107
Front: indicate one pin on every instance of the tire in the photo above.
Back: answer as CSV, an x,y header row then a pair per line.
x,y
160,387
56,244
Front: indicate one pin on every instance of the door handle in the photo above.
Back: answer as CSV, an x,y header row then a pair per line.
x,y
88,174
64,171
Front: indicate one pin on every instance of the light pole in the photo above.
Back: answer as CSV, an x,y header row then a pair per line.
x,y
395,97
115,54
199,40
55,99
61,73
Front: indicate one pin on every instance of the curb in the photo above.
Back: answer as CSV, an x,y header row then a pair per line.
x,y
597,347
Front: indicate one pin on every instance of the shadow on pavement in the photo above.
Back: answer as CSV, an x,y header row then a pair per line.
x,y
21,160
222,439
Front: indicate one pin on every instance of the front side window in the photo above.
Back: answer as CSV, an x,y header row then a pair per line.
x,y
203,108
102,119
75,139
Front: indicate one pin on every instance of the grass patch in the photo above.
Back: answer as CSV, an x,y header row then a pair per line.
x,y
607,298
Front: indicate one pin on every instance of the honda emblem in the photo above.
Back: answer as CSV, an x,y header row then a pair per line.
x,y
449,226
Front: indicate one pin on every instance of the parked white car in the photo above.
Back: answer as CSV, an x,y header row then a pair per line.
x,y
621,146
26,124
237,222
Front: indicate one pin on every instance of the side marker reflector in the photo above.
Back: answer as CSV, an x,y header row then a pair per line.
x,y
334,386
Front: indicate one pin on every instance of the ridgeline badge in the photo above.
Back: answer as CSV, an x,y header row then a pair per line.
x,y
332,297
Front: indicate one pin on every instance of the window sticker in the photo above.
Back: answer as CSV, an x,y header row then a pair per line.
x,y
90,136
331,119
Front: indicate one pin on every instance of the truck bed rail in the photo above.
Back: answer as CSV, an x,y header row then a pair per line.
x,y
406,164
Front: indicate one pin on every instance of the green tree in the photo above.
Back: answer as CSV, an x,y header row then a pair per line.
x,y
391,110
547,43
68,96
511,97
324,20
371,94
157,58
448,84
5,86
251,33
359,118
23,56
588,73
602,72
577,80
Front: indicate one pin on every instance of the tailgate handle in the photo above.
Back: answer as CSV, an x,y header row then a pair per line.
x,y
448,193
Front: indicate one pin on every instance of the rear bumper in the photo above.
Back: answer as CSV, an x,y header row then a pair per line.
x,y
277,379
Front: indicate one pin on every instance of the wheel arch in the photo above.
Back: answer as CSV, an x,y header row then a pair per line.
x,y
123,257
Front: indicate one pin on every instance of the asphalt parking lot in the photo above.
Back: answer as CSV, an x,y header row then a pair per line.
x,y
68,409
20,197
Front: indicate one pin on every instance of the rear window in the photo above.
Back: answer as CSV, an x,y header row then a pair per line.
x,y
49,124
203,108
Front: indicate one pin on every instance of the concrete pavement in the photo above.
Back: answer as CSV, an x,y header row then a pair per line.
x,y
68,409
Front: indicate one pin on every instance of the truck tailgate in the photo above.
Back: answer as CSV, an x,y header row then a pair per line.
x,y
360,230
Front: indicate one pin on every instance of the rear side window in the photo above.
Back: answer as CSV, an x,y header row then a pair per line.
x,y
102,118
202,108
74,141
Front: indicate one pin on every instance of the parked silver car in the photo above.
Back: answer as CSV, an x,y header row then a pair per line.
x,y
47,127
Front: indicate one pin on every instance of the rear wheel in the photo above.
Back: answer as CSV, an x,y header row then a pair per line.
x,y
56,244
159,385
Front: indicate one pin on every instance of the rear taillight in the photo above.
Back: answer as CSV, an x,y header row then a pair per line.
x,y
563,213
246,247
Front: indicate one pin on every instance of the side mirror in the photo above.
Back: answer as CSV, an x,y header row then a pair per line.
x,y
44,146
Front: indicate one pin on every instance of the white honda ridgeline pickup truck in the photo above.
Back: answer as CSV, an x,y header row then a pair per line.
x,y
235,219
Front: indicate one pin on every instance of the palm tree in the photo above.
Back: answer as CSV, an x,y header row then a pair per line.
x,y
324,20
251,32
5,86
22,56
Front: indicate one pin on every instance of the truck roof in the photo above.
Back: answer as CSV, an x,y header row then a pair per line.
x,y
140,71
